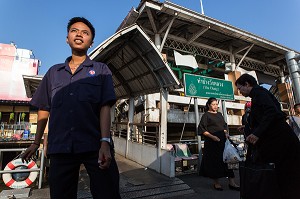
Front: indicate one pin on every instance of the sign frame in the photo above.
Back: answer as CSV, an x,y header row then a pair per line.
x,y
206,87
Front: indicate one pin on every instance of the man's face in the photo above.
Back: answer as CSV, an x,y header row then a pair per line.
x,y
79,37
244,90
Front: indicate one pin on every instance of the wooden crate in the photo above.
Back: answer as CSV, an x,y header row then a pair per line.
x,y
285,94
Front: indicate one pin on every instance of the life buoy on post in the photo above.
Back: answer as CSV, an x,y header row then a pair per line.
x,y
12,183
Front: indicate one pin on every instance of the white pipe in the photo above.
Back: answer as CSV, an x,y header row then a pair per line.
x,y
201,5
294,70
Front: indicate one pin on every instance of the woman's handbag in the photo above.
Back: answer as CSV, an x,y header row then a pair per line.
x,y
258,181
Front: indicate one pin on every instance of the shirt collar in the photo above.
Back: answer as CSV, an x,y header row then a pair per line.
x,y
86,63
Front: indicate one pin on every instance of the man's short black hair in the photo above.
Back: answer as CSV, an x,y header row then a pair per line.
x,y
83,20
297,104
246,78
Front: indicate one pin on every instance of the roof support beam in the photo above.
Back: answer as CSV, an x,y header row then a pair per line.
x,y
166,34
164,26
249,48
198,34
151,19
121,79
271,61
143,59
242,48
148,31
129,63
180,39
116,72
178,43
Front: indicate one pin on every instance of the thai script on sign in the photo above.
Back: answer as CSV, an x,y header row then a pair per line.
x,y
209,82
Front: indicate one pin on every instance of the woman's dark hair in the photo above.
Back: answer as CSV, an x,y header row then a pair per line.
x,y
83,20
209,101
246,78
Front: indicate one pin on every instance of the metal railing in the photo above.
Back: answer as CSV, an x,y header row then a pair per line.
x,y
40,170
144,133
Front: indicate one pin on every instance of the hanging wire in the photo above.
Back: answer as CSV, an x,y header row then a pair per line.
x,y
185,120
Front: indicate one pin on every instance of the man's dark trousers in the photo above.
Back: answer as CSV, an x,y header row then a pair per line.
x,y
64,173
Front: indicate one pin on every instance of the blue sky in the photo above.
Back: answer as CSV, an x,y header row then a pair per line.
x,y
41,25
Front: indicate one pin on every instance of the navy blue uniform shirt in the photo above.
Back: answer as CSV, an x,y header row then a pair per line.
x,y
74,102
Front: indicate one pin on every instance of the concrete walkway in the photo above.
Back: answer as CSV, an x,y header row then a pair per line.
x,y
139,182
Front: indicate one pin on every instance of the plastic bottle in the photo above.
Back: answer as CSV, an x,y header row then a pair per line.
x,y
26,133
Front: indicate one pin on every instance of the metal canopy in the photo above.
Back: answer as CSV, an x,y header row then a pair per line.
x,y
136,64
138,67
31,83
198,34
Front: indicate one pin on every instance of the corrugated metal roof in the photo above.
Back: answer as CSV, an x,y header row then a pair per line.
x,y
137,65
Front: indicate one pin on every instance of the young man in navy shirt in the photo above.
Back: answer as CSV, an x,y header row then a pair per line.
x,y
77,97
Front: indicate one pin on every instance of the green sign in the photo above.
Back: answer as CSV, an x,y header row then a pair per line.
x,y
201,86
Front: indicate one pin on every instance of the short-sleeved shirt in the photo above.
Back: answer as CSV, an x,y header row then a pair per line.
x,y
74,102
212,122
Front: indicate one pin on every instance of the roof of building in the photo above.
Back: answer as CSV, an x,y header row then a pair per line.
x,y
197,34
31,83
139,68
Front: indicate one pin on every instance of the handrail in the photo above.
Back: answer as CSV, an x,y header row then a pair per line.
x,y
40,170
140,134
18,171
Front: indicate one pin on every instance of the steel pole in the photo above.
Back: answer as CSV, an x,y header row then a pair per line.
x,y
294,70
197,120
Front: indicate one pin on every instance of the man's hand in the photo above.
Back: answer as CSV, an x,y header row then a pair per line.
x,y
252,139
104,155
215,138
26,156
226,134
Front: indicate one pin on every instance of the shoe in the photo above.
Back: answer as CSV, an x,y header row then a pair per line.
x,y
218,188
236,188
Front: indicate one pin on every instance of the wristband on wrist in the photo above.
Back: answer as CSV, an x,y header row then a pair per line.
x,y
108,140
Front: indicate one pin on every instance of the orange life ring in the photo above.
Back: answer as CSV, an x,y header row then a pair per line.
x,y
10,182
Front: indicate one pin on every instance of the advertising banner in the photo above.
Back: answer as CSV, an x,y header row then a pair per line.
x,y
14,63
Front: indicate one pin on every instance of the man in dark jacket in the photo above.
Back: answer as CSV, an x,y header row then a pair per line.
x,y
272,137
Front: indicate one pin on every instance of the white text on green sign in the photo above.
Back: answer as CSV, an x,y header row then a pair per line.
x,y
201,86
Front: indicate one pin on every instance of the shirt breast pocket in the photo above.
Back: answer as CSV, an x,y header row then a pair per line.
x,y
57,95
90,90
